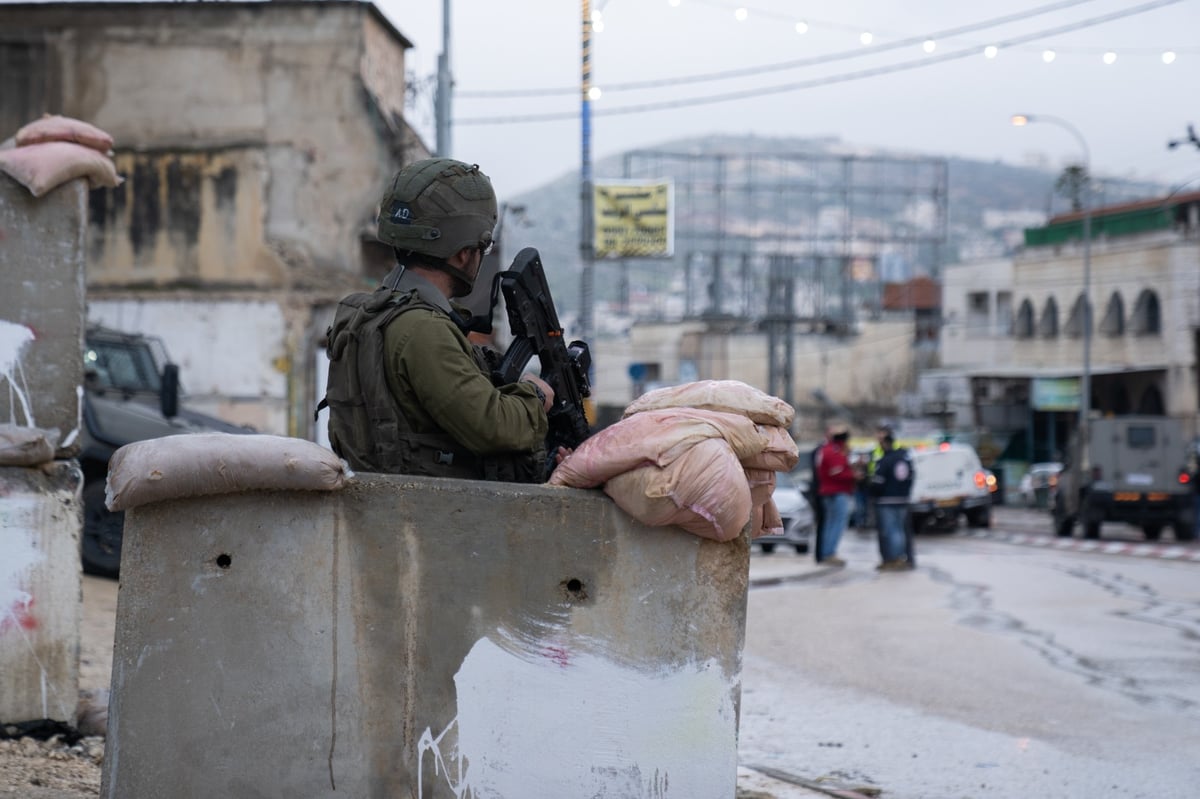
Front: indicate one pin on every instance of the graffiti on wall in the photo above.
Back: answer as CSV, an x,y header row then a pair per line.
x,y
14,339
577,724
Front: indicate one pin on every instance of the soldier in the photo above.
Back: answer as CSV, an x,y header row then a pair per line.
x,y
407,392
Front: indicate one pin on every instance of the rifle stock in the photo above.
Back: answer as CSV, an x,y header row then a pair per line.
x,y
536,332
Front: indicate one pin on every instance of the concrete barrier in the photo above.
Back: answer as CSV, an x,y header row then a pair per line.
x,y
39,594
423,638
42,256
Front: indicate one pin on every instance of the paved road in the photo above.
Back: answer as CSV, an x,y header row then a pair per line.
x,y
1010,664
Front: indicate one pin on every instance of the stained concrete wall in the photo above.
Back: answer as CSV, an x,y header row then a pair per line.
x,y
42,259
423,638
259,177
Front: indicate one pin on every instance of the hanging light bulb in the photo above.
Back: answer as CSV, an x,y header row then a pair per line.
x,y
741,14
1168,57
1049,55
866,37
990,51
598,26
801,27
1110,57
929,45
594,93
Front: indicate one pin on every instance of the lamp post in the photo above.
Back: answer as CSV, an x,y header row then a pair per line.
x,y
1085,382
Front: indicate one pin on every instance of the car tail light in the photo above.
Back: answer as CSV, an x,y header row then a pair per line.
x,y
980,480
1184,479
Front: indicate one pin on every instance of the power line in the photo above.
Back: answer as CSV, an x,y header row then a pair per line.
x,y
782,65
845,77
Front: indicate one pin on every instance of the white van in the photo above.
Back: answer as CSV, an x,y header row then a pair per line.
x,y
948,482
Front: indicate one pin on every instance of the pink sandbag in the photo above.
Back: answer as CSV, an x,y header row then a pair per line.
x,y
60,128
765,519
771,523
656,437
199,464
704,491
780,454
728,396
42,167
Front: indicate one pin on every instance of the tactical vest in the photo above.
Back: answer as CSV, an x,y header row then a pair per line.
x,y
367,426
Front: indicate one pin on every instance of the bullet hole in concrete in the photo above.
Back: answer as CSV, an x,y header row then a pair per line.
x,y
224,560
573,588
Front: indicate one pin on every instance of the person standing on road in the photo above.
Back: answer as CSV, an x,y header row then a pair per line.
x,y
836,486
407,391
814,493
891,484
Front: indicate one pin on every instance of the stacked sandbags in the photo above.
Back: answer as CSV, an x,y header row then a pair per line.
x,y
701,456
56,149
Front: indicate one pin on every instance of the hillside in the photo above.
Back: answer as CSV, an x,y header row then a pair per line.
x,y
987,205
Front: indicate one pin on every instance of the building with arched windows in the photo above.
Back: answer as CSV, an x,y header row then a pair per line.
x,y
1015,329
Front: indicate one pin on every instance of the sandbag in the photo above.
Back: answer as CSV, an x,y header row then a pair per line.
x,y
729,396
42,167
26,446
704,491
780,453
200,464
61,128
655,437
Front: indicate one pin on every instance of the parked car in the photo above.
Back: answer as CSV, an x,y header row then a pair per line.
x,y
797,514
1038,485
948,482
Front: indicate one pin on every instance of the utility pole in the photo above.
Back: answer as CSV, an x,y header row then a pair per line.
x,y
445,85
587,253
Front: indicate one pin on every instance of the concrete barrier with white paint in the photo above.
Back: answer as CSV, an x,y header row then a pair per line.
x,y
425,638
42,257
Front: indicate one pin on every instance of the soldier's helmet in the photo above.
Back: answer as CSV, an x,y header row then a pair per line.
x,y
436,207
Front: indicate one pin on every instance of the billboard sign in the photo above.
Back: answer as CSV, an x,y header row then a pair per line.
x,y
634,219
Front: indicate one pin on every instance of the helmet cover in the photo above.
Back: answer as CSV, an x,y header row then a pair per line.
x,y
437,207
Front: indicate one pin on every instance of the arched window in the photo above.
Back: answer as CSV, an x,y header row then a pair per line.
x,y
1114,317
1023,327
1147,319
1048,326
1076,324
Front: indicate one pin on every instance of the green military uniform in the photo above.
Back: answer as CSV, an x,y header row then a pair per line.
x,y
409,394
433,372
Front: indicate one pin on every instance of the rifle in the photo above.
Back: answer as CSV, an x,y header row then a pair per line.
x,y
535,329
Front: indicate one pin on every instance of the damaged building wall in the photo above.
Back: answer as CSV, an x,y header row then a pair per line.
x,y
254,139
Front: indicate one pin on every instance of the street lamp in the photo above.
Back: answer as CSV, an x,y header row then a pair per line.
x,y
1085,383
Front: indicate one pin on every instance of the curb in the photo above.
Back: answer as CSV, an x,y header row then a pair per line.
x,y
1138,550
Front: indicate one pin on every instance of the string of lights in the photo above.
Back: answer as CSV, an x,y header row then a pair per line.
x,y
845,77
927,42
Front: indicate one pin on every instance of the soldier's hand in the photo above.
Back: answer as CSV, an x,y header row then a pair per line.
x,y
543,388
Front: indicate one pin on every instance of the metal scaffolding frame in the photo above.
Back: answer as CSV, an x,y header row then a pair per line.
x,y
791,241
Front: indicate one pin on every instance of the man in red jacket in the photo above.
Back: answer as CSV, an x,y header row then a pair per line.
x,y
836,480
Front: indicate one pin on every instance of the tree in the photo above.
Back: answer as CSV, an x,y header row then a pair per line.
x,y
1072,183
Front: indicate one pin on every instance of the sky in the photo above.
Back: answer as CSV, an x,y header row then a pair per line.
x,y
669,69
